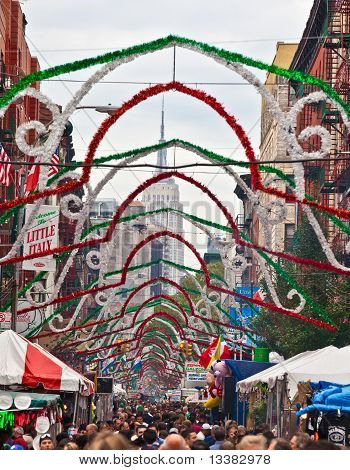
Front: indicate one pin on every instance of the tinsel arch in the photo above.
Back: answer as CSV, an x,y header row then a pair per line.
x,y
287,123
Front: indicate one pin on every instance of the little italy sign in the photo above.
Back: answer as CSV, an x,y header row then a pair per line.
x,y
42,235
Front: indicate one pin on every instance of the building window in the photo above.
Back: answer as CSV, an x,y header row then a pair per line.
x,y
289,230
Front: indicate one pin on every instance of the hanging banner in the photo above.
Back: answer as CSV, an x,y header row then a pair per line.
x,y
42,235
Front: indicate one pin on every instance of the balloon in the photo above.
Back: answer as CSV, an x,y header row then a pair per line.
x,y
212,403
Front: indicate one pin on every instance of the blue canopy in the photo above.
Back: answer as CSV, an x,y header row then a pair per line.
x,y
243,369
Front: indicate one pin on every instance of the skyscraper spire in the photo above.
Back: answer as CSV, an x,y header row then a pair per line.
x,y
162,153
162,124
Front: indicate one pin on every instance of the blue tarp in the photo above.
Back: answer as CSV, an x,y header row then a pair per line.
x,y
243,369
331,397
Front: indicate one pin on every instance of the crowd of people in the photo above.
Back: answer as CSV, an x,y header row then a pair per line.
x,y
165,426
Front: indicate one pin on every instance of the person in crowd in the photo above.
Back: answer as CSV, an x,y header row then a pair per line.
x,y
46,443
147,416
322,445
269,436
155,427
140,430
61,444
109,441
227,445
299,440
232,433
174,442
91,429
206,433
150,438
218,434
199,444
82,429
17,437
81,440
279,444
125,426
252,443
189,436
71,446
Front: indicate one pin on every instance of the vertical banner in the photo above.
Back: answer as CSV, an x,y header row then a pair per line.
x,y
41,235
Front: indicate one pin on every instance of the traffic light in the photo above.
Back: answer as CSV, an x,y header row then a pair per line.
x,y
181,346
125,348
189,349
119,340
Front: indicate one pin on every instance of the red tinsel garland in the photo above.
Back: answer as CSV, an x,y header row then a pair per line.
x,y
108,122
178,237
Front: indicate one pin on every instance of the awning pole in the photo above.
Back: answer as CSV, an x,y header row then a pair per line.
x,y
75,407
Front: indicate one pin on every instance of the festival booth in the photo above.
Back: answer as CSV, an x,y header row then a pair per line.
x,y
234,407
286,385
25,368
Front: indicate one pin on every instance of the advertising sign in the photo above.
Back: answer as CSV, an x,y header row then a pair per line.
x,y
134,395
42,235
194,372
25,322
174,395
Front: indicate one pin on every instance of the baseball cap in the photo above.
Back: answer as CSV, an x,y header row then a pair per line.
x,y
206,426
173,431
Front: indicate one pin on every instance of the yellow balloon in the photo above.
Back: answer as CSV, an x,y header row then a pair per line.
x,y
212,402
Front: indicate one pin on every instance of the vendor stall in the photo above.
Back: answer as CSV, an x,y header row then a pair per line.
x,y
25,366
328,414
282,380
35,411
233,407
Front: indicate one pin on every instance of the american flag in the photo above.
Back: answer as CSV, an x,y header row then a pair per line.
x,y
33,176
54,160
5,168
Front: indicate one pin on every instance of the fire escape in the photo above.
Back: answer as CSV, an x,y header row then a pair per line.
x,y
337,174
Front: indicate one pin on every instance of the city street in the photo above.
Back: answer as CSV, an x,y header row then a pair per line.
x,y
174,230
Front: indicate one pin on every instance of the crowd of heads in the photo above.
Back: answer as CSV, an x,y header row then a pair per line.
x,y
167,426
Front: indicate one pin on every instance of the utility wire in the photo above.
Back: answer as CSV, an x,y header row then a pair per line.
x,y
170,168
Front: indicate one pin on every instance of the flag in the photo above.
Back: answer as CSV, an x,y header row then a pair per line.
x,y
137,364
5,168
217,350
259,295
33,176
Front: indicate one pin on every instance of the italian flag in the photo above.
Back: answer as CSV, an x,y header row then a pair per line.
x,y
217,350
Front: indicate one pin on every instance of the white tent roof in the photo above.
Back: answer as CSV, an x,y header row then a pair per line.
x,y
26,363
330,364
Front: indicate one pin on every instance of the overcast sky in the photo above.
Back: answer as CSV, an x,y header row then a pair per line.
x,y
66,30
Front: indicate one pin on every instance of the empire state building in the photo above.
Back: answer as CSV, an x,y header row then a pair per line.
x,y
162,195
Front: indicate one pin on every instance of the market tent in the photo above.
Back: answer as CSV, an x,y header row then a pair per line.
x,y
327,364
26,363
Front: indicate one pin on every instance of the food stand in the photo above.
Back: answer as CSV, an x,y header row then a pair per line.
x,y
26,368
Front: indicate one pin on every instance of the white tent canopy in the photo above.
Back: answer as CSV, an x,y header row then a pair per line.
x,y
329,364
26,363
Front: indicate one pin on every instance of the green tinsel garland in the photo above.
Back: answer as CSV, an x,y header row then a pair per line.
x,y
159,44
7,419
